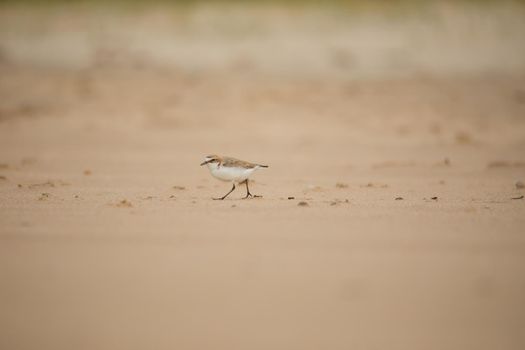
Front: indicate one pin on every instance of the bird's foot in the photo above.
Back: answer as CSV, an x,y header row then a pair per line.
x,y
249,195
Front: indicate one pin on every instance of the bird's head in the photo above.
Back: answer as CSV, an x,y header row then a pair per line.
x,y
211,159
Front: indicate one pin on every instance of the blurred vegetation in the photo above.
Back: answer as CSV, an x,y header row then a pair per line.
x,y
247,2
355,6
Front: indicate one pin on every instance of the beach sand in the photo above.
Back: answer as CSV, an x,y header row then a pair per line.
x,y
392,215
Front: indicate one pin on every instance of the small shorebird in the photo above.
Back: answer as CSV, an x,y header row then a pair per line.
x,y
231,169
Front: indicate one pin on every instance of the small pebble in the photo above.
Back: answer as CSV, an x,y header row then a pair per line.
x,y
124,204
434,198
520,185
291,197
520,197
302,204
399,198
43,196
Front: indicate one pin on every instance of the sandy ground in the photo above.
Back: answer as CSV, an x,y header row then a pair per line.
x,y
413,232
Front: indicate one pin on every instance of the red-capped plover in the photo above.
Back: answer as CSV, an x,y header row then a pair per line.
x,y
231,170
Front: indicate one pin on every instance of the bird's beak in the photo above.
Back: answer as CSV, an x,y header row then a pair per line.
x,y
205,162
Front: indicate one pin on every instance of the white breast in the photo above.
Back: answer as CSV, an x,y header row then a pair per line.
x,y
230,173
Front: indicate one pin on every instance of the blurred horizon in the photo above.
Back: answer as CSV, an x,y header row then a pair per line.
x,y
372,40
360,3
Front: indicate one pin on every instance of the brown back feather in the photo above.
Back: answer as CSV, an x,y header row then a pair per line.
x,y
230,162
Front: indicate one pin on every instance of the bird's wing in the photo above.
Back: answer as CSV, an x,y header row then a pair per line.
x,y
231,162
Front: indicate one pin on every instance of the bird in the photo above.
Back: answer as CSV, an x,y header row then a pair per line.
x,y
231,170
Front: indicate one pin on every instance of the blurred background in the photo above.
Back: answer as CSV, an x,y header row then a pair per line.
x,y
349,73
429,72
400,124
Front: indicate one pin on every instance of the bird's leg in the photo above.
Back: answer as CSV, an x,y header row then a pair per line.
x,y
226,195
248,194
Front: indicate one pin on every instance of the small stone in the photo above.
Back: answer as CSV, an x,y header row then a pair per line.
x,y
291,197
434,198
399,198
520,197
302,204
43,196
520,185
124,204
